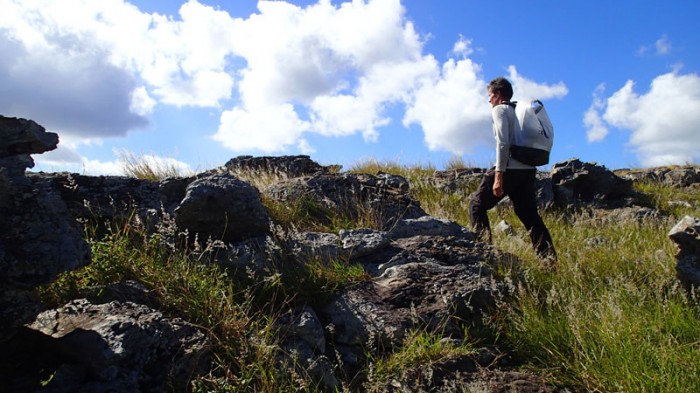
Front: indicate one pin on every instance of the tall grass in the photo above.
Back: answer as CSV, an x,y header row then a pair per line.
x,y
612,316
149,167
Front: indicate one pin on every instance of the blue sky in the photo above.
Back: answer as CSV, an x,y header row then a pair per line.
x,y
196,83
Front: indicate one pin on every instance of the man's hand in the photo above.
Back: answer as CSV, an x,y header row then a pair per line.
x,y
498,185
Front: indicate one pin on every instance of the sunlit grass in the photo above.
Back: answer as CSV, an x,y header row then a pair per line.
x,y
150,167
420,352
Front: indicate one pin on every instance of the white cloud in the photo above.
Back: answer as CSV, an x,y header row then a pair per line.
x,y
463,47
663,45
316,61
663,122
452,109
141,102
269,129
524,88
592,120
94,68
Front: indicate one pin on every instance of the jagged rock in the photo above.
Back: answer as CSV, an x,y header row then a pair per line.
x,y
383,198
358,243
316,245
288,166
222,207
304,347
117,347
39,239
636,214
424,283
106,198
22,136
428,226
504,227
457,180
674,176
575,181
686,235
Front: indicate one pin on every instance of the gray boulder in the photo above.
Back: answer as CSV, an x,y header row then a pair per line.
x,y
686,235
222,207
102,199
120,347
574,181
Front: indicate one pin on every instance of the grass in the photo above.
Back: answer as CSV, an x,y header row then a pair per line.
x,y
149,167
610,318
414,360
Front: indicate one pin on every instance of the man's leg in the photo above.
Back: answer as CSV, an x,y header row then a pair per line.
x,y
481,201
525,206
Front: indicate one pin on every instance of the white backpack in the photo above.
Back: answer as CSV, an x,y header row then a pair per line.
x,y
534,143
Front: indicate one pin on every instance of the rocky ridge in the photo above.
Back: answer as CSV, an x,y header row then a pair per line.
x,y
425,272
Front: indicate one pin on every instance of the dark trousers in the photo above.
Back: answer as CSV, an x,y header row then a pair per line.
x,y
519,185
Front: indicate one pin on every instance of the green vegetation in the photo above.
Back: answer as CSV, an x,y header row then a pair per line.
x,y
611,317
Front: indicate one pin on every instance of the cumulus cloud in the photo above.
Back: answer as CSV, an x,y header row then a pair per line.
x,y
452,109
66,87
97,68
92,69
331,77
662,122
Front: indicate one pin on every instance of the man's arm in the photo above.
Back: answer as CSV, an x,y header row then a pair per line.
x,y
498,184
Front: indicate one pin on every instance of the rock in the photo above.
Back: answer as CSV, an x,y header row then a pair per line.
x,y
428,226
575,181
504,227
424,283
288,166
673,176
358,243
39,239
383,199
686,235
107,198
121,347
221,207
22,136
304,347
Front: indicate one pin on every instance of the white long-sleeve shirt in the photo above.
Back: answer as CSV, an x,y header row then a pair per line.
x,y
505,124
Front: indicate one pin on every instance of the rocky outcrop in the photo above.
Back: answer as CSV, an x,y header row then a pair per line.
x,y
39,239
117,346
686,235
287,166
102,199
673,176
419,272
574,182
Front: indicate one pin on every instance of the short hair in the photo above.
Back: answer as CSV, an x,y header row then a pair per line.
x,y
503,86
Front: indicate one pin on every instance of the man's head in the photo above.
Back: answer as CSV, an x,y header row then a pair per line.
x,y
500,90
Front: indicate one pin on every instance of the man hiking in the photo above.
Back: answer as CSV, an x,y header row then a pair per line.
x,y
509,177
